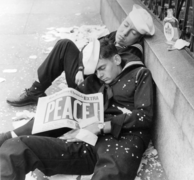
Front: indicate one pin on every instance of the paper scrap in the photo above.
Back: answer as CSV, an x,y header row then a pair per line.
x,y
51,28
66,30
63,177
2,80
48,50
33,57
180,43
87,136
76,33
124,110
9,70
50,39
86,177
23,115
87,122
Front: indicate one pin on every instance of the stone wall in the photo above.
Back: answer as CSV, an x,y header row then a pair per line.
x,y
173,74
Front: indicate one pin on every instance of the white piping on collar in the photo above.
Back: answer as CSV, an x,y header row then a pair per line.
x,y
138,46
132,63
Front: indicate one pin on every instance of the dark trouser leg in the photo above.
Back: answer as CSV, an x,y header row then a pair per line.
x,y
63,57
118,160
26,129
19,156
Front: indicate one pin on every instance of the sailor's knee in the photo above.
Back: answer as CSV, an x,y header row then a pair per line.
x,y
64,42
11,145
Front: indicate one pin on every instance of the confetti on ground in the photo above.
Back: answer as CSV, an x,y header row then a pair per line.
x,y
9,70
2,80
79,35
51,28
48,50
33,57
50,39
23,115
65,30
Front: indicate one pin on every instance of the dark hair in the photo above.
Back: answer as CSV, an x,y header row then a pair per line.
x,y
107,49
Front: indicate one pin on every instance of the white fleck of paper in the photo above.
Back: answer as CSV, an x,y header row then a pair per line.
x,y
2,80
51,28
33,57
63,177
87,136
124,110
10,70
66,30
48,50
29,176
23,115
87,177
50,39
78,14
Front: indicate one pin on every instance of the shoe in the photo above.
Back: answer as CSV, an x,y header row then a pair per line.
x,y
28,97
4,137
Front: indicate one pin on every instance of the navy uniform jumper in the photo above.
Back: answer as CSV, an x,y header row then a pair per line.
x,y
117,155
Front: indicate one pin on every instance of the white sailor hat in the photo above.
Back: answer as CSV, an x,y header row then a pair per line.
x,y
91,56
142,20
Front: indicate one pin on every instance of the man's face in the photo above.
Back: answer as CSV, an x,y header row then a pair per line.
x,y
108,69
127,34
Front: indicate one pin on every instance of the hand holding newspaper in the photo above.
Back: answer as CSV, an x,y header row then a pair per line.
x,y
72,109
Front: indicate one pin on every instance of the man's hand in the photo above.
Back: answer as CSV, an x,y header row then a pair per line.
x,y
70,136
93,128
79,78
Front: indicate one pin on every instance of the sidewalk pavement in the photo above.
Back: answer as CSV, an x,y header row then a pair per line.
x,y
22,25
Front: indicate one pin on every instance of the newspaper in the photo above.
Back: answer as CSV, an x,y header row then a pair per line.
x,y
68,108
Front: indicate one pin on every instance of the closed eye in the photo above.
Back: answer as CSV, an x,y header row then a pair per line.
x,y
102,68
126,25
134,32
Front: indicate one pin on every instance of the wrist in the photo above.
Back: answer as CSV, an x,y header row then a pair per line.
x,y
107,127
81,68
101,126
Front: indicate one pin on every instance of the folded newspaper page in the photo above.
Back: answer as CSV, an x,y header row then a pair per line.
x,y
68,108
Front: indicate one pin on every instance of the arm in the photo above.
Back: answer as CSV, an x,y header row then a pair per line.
x,y
141,116
79,77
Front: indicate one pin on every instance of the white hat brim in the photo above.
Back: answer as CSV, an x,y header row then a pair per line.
x,y
142,20
91,56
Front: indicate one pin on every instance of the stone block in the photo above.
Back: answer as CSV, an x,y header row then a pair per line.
x,y
173,146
